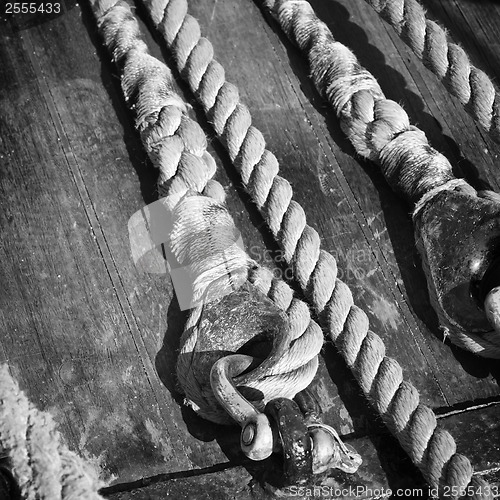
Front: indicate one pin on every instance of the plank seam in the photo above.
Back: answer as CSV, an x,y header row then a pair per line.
x,y
166,477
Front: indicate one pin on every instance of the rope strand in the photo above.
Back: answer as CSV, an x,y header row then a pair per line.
x,y
432,449
45,469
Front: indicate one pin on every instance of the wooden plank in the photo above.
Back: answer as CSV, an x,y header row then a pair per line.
x,y
67,134
477,430
385,469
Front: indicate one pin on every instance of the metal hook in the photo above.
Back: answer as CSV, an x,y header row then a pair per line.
x,y
308,446
281,428
256,436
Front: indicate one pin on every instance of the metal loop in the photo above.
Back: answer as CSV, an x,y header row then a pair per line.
x,y
256,436
328,450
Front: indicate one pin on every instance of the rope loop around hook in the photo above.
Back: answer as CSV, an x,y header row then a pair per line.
x,y
236,306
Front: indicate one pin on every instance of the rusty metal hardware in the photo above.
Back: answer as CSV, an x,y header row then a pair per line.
x,y
256,437
294,430
328,449
458,235
281,428
293,439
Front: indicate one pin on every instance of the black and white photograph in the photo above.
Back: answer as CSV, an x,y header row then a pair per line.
x,y
249,249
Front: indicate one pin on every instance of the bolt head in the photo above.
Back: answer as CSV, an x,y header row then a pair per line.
x,y
248,434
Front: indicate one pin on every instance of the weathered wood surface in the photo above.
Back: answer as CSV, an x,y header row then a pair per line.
x,y
92,339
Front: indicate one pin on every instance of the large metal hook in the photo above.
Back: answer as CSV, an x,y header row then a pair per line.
x,y
281,428
256,435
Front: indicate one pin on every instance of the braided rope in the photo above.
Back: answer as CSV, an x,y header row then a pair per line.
x,y
432,449
447,60
202,227
44,468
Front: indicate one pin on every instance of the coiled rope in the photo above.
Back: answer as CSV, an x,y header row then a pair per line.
x,y
432,449
447,60
44,468
203,231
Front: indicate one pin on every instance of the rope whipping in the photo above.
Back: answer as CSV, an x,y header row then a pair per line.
x,y
42,465
202,235
432,449
448,61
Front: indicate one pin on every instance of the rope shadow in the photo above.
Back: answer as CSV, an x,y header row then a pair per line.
x,y
165,364
137,156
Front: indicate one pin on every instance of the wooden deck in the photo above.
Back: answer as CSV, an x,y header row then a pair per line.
x,y
92,339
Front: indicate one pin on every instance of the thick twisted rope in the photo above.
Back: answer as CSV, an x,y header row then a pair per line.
x,y
448,61
202,231
44,468
379,129
432,449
